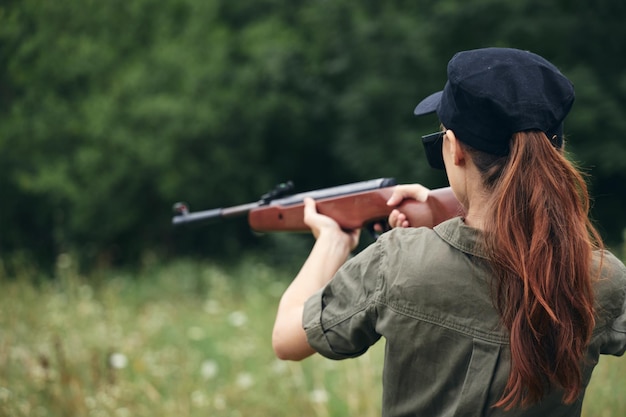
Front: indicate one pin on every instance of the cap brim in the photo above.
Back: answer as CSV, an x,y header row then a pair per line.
x,y
429,104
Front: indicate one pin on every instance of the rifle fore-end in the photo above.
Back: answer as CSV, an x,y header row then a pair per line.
x,y
357,210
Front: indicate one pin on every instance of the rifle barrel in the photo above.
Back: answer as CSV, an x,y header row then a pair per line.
x,y
197,216
211,214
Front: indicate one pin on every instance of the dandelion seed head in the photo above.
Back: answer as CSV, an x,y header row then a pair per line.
x,y
245,380
118,361
237,318
318,396
209,369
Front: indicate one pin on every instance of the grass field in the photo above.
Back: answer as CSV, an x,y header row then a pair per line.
x,y
186,339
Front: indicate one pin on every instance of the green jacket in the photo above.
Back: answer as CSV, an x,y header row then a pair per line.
x,y
427,292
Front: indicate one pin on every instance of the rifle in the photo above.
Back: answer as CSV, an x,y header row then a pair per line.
x,y
356,205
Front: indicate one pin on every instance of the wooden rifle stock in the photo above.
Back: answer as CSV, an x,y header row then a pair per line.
x,y
355,211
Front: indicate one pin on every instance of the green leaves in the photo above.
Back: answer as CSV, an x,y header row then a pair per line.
x,y
111,111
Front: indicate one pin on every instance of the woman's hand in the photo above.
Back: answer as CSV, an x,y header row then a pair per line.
x,y
326,226
401,192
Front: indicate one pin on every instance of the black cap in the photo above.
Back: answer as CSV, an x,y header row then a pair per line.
x,y
492,93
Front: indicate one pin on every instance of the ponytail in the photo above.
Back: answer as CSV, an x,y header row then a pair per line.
x,y
541,241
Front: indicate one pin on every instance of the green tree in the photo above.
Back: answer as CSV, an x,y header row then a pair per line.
x,y
111,111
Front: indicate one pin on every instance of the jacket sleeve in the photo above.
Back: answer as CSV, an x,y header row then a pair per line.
x,y
340,319
615,342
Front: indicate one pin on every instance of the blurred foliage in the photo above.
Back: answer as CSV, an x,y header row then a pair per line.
x,y
111,111
186,339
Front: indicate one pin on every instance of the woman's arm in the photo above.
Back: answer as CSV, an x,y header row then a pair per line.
x,y
331,249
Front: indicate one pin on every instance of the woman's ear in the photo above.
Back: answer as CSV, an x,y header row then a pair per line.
x,y
454,148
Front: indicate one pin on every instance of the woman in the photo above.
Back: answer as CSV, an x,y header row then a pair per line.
x,y
503,311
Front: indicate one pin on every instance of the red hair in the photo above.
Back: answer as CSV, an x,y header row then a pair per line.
x,y
541,241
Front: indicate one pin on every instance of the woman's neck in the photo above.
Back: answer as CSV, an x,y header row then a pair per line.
x,y
475,200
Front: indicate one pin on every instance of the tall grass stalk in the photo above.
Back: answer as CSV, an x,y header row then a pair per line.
x,y
185,339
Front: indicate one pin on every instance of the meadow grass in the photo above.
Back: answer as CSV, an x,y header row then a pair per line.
x,y
185,339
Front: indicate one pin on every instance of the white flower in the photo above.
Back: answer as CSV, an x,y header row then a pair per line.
x,y
318,396
245,380
118,361
209,369
237,318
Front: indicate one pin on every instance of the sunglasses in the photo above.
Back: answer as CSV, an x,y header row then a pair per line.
x,y
432,145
